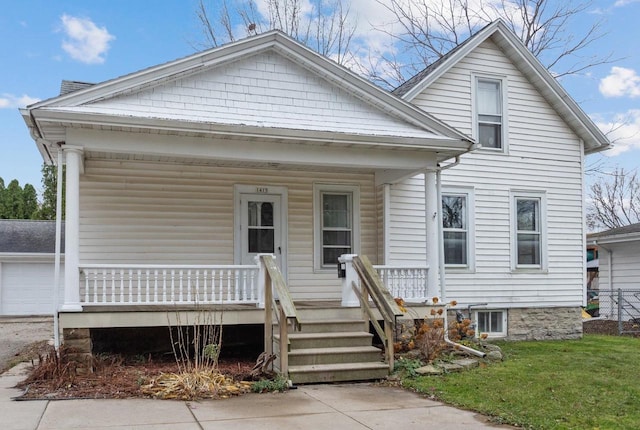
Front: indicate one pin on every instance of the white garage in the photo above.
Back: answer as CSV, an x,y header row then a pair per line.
x,y
27,267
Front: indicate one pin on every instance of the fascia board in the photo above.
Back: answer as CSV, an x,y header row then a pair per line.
x,y
618,238
429,141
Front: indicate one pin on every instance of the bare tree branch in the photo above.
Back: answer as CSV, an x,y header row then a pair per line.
x,y
426,30
614,200
326,28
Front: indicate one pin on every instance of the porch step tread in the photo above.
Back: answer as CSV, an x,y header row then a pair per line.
x,y
336,367
334,350
329,335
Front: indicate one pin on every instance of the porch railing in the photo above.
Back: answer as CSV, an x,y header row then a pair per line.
x,y
372,289
102,284
408,282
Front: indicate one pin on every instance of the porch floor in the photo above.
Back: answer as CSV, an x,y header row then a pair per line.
x,y
186,314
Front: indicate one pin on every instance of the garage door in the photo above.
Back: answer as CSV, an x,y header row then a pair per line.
x,y
26,288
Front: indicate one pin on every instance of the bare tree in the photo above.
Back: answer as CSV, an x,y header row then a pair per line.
x,y
615,200
424,31
322,25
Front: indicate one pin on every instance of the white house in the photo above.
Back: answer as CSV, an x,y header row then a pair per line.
x,y
180,174
619,270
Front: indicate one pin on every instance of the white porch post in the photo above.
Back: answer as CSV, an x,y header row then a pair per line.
x,y
73,157
431,232
349,297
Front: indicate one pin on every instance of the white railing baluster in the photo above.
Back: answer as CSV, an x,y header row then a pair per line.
x,y
149,284
409,282
164,286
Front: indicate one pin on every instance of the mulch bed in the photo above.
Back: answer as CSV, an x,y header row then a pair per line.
x,y
609,327
116,377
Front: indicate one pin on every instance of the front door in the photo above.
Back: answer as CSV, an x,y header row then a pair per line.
x,y
262,227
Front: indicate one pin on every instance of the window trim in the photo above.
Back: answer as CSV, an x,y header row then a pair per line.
x,y
542,198
494,334
468,192
318,190
475,77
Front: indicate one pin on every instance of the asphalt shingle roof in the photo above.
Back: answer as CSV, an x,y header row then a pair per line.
x,y
27,236
632,228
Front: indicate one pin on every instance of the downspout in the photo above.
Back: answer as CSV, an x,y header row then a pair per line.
x,y
443,282
56,276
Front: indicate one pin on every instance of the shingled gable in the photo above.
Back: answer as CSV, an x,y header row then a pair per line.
x,y
593,138
89,104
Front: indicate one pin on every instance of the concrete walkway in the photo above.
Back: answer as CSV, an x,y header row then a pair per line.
x,y
335,407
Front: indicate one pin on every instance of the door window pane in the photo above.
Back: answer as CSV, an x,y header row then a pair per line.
x,y
261,240
261,232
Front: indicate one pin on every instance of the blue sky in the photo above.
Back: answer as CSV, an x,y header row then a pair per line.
x,y
45,41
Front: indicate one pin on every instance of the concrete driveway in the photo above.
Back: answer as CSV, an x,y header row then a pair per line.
x,y
18,332
335,407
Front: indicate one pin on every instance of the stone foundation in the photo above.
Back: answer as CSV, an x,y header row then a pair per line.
x,y
544,323
77,342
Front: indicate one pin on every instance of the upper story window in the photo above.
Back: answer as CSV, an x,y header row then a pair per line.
x,y
489,113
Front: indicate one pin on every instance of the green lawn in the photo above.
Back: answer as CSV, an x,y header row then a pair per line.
x,y
593,383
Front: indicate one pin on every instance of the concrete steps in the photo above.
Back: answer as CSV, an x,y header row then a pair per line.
x,y
333,350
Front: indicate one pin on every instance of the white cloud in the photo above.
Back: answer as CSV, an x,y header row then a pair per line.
x,y
620,82
623,130
621,3
10,101
85,41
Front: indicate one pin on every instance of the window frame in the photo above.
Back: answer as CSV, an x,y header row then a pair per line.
x,y
540,196
502,80
491,334
468,193
319,189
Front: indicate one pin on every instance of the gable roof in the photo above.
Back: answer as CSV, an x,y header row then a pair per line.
x,y
69,107
593,138
28,236
619,234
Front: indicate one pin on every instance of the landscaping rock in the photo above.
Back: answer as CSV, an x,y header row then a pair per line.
x,y
430,370
494,356
492,347
414,354
466,363
451,367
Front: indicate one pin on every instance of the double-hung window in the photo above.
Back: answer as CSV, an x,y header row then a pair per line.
x,y
455,227
336,223
528,230
489,112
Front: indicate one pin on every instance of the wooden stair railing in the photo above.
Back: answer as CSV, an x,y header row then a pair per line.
x,y
285,312
374,289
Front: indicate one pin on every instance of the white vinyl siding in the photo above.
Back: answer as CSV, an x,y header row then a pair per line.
x,y
626,265
544,156
171,213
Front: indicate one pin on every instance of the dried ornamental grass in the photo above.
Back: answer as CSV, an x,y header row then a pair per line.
x,y
197,384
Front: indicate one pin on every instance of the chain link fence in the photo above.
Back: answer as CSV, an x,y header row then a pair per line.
x,y
622,305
